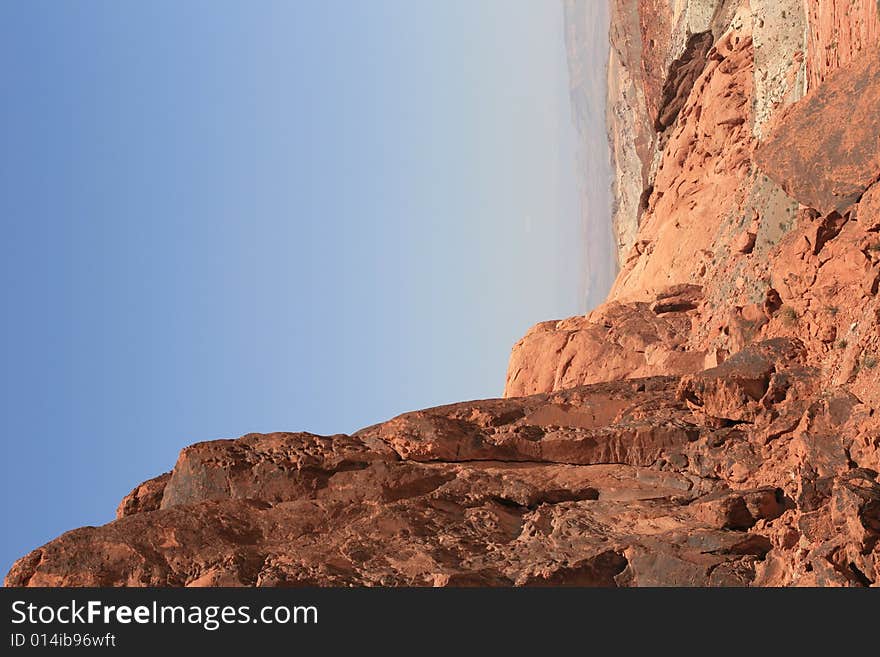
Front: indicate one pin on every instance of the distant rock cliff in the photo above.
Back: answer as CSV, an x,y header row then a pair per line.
x,y
586,44
715,422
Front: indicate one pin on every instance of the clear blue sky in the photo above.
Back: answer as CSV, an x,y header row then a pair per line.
x,y
225,217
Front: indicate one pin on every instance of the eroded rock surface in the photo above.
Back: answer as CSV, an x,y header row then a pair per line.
x,y
737,475
824,151
715,423
614,341
839,33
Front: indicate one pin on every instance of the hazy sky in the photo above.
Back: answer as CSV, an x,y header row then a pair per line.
x,y
225,217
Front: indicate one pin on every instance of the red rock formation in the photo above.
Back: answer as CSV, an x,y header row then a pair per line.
x,y
824,151
680,79
839,32
715,422
730,477
614,341
145,497
700,177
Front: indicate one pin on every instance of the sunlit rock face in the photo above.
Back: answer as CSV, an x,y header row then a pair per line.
x,y
715,422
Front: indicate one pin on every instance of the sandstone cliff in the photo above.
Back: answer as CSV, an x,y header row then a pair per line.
x,y
715,422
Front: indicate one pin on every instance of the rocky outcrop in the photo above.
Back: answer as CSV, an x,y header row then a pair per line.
x,y
824,150
145,497
708,149
715,422
614,341
839,33
630,131
657,51
748,177
734,476
683,73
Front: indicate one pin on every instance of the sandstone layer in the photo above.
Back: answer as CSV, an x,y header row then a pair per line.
x,y
716,422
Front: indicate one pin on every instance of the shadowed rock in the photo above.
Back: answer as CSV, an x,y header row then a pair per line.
x,y
683,73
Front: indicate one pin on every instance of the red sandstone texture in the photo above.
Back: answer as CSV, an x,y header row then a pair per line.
x,y
829,167
715,423
839,32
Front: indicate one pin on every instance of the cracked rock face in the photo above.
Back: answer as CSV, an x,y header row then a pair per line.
x,y
708,479
824,151
715,423
839,33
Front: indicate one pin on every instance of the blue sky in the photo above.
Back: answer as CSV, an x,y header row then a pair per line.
x,y
225,217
